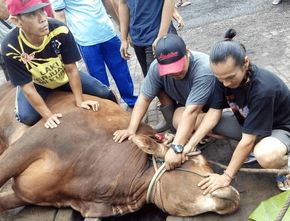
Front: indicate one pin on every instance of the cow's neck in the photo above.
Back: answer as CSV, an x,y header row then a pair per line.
x,y
154,192
135,196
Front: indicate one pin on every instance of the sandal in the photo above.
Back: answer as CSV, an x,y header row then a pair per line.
x,y
281,179
251,159
276,2
203,143
178,4
185,4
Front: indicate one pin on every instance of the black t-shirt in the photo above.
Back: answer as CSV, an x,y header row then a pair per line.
x,y
44,64
261,105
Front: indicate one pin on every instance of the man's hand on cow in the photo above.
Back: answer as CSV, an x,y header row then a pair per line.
x,y
213,182
53,121
120,135
89,104
173,160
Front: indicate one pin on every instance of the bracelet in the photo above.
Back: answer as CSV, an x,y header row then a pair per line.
x,y
225,173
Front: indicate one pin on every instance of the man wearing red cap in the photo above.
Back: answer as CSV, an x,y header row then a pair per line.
x,y
185,76
40,56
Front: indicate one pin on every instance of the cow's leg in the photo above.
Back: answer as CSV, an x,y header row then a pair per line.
x,y
9,200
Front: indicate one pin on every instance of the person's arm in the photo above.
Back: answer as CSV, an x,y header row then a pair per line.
x,y
112,9
76,87
178,18
75,83
183,133
187,123
3,10
138,113
243,149
36,101
209,121
216,181
166,17
60,15
124,26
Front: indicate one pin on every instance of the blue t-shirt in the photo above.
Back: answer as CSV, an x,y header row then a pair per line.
x,y
261,105
87,20
145,20
194,89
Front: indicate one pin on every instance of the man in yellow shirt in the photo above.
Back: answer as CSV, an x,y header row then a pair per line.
x,y
41,56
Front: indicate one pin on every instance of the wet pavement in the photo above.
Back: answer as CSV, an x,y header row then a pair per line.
x,y
265,31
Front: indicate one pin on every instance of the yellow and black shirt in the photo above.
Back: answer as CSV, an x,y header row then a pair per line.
x,y
44,65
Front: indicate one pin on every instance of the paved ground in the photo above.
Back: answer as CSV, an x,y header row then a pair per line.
x,y
264,30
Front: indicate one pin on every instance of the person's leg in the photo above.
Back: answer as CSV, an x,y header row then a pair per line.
x,y
24,112
228,126
273,152
149,56
166,107
92,86
119,70
95,63
141,57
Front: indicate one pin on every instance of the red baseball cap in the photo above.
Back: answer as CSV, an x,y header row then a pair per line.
x,y
170,54
16,7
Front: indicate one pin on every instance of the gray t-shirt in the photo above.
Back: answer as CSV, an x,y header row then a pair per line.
x,y
194,89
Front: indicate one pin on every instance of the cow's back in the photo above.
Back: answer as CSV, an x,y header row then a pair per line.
x,y
78,164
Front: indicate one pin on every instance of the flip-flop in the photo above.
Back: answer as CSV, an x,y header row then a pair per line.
x,y
185,4
281,180
204,142
276,2
178,4
251,159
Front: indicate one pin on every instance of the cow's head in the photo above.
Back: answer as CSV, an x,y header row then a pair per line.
x,y
177,192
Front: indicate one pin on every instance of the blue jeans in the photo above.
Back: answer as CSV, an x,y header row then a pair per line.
x,y
26,114
96,56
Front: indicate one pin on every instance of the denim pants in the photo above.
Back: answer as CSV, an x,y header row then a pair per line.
x,y
145,57
26,114
108,53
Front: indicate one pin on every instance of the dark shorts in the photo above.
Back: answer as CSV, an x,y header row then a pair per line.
x,y
229,127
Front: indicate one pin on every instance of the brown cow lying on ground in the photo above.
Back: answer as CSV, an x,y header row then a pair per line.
x,y
79,165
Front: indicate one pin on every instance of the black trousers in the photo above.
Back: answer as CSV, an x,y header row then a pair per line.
x,y
145,57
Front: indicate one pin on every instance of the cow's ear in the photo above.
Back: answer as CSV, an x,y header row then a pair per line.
x,y
150,145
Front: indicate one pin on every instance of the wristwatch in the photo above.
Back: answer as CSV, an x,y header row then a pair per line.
x,y
178,148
